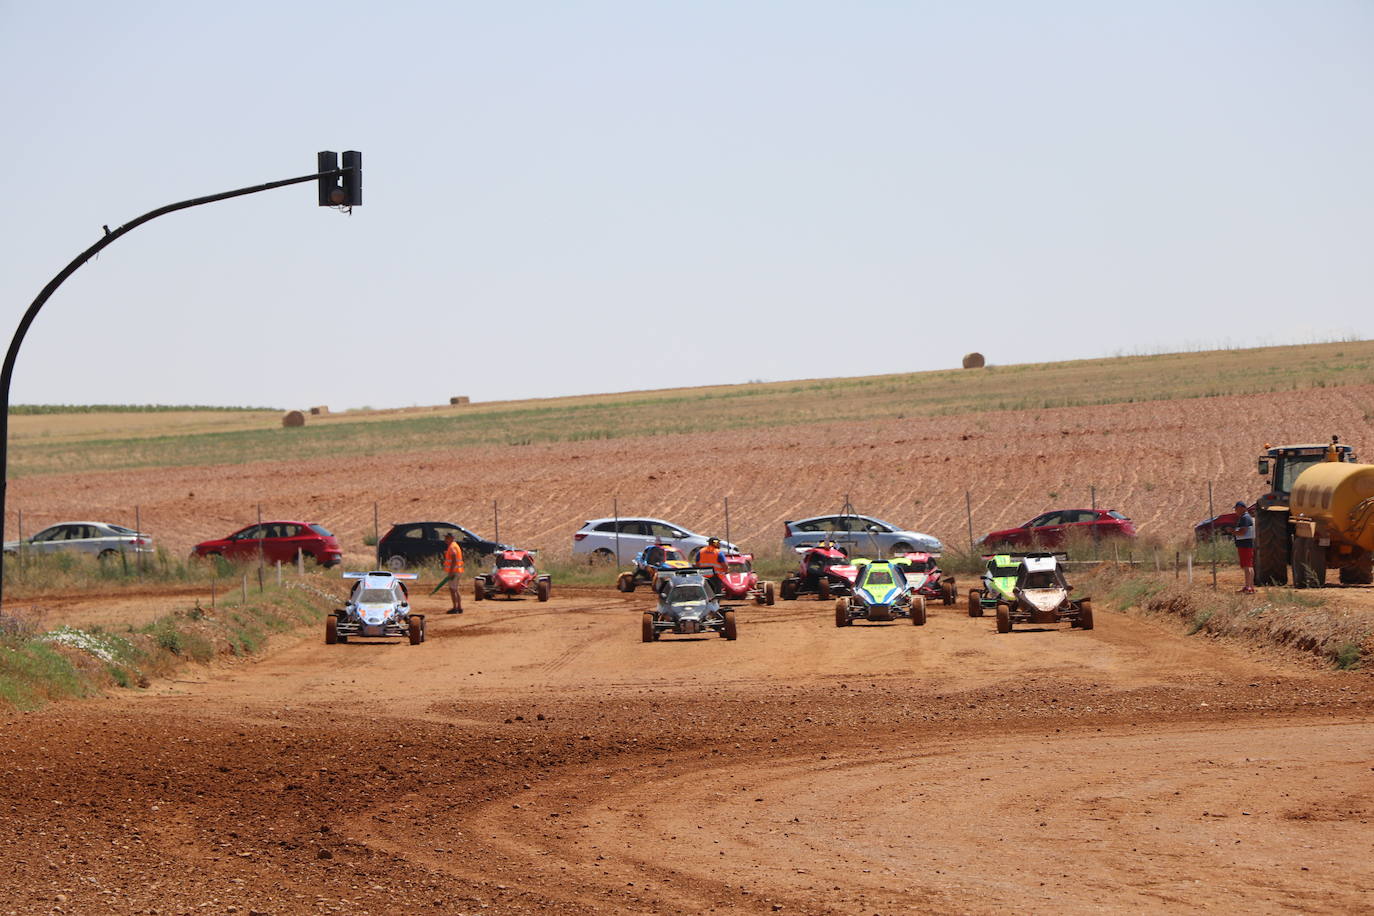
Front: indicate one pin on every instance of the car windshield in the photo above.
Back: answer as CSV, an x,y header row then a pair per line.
x,y
921,565
1041,579
878,577
1002,572
375,596
682,594
737,567
1292,467
517,563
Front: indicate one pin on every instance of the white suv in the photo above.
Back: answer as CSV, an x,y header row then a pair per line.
x,y
600,539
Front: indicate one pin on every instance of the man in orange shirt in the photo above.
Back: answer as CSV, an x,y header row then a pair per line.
x,y
453,569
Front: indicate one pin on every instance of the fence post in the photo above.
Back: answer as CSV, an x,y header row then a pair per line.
x,y
496,522
1190,567
968,514
615,510
300,562
138,536
279,573
245,588
376,536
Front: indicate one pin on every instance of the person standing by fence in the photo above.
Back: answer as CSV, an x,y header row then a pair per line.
x,y
453,569
1245,545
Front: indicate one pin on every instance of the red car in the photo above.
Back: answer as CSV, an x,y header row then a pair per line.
x,y
1223,525
1051,529
512,574
925,577
740,582
278,541
825,570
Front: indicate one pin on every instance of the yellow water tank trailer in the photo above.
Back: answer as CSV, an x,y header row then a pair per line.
x,y
1333,521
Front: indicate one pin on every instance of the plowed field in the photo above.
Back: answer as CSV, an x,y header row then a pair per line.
x,y
1152,461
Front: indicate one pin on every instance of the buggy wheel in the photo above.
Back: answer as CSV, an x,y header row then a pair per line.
x,y
1085,614
918,611
625,582
788,588
1003,618
948,594
759,596
730,630
396,563
331,630
417,631
768,596
541,591
841,612
975,603
823,588
479,591
646,632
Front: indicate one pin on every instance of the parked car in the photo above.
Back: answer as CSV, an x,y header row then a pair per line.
x,y
277,541
597,538
1051,529
858,535
100,539
1223,525
412,543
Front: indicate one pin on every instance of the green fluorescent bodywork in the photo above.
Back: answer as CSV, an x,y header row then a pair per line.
x,y
1000,585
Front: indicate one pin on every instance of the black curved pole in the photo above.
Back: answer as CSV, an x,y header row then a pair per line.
x,y
7,372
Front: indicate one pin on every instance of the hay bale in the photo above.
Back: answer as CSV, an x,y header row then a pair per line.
x,y
321,411
454,402
973,361
293,418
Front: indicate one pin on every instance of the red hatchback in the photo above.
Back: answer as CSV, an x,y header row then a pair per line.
x,y
1051,529
277,541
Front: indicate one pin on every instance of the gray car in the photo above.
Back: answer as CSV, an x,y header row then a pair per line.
x,y
859,536
100,539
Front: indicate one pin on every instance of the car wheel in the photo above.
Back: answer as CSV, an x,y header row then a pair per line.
x,y
417,631
950,593
789,589
918,611
331,630
823,589
625,582
107,554
396,563
479,590
1003,618
769,594
541,591
646,632
603,556
1085,614
975,604
841,612
730,631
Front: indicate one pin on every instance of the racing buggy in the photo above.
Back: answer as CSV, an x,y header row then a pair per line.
x,y
926,578
1041,595
378,605
881,593
687,605
825,570
512,573
650,563
739,582
999,579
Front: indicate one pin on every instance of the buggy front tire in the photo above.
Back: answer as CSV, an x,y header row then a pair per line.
x,y
646,631
950,594
769,594
788,589
417,631
730,630
479,591
625,582
1003,618
1085,614
918,611
841,612
331,630
975,603
823,589
541,591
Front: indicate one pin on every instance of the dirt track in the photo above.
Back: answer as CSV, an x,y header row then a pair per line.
x,y
539,758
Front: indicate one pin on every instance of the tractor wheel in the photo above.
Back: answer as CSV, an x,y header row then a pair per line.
x,y
1273,547
975,603
918,611
1309,563
841,612
417,631
625,582
1360,574
331,630
646,632
769,597
479,590
788,589
541,591
1085,614
1003,618
730,630
823,589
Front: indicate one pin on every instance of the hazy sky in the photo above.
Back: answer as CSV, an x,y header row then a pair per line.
x,y
570,197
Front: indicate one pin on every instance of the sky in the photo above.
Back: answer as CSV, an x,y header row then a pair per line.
x,y
576,197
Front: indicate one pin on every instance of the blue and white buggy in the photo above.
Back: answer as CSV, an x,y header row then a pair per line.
x,y
378,606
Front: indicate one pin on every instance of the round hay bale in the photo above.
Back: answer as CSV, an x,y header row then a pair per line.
x,y
459,400
293,418
973,361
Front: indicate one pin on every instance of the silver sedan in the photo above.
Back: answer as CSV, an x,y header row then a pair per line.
x,y
100,539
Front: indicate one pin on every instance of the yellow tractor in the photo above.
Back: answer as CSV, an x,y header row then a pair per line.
x,y
1318,515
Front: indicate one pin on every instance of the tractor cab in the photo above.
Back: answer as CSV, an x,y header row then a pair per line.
x,y
1282,464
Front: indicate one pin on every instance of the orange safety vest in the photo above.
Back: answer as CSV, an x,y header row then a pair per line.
x,y
453,559
710,556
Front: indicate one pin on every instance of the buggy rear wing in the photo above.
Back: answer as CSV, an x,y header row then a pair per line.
x,y
381,572
1061,556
